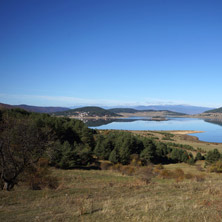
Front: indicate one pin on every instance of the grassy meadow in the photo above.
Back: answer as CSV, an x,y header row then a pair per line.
x,y
173,192
180,138
107,195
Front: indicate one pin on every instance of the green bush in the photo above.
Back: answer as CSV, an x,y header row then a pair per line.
x,y
213,156
199,157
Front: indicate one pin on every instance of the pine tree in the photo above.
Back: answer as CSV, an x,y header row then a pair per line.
x,y
113,157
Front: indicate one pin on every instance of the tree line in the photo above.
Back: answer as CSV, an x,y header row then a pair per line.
x,y
25,137
69,143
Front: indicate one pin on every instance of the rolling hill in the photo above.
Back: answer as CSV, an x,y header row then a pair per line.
x,y
37,109
123,110
134,111
219,110
187,109
88,111
5,106
97,111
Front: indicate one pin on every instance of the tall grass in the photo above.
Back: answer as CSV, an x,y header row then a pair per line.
x,y
109,195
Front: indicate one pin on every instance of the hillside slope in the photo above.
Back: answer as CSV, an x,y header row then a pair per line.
x,y
37,109
146,112
187,109
123,110
89,111
5,106
219,110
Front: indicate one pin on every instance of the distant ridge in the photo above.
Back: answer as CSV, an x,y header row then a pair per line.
x,y
182,109
187,109
40,109
123,110
5,106
88,111
129,110
37,109
218,110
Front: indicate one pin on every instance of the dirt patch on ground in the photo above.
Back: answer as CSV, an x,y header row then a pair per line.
x,y
185,132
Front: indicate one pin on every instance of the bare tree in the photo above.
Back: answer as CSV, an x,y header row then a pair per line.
x,y
22,143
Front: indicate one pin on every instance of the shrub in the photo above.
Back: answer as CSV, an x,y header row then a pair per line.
x,y
158,168
117,167
39,176
199,156
127,170
165,174
199,168
191,161
135,160
145,173
189,176
213,156
105,165
179,174
199,178
216,167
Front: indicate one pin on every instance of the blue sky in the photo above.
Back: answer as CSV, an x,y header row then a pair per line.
x,y
111,52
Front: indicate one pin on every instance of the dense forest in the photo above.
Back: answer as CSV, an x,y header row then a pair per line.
x,y
25,137
68,143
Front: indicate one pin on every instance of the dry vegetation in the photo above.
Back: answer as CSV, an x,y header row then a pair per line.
x,y
175,192
181,138
166,193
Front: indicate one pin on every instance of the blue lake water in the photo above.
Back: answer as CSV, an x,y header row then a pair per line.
x,y
212,129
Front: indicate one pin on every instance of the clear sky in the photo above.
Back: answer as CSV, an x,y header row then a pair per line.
x,y
111,52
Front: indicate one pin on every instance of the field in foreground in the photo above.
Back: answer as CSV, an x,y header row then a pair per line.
x,y
89,195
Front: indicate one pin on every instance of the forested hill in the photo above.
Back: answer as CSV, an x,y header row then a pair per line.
x,y
129,110
89,111
219,110
40,109
123,110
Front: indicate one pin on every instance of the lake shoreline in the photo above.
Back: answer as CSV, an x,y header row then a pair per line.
x,y
183,127
184,132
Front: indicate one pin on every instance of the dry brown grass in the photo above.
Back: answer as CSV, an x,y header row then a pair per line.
x,y
110,196
181,139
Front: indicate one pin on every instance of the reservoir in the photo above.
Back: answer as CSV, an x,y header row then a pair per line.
x,y
212,129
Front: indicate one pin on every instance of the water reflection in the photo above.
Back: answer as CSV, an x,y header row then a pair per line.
x,y
212,128
217,122
103,122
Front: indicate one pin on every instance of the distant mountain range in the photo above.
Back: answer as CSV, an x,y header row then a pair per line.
x,y
130,110
38,109
174,108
